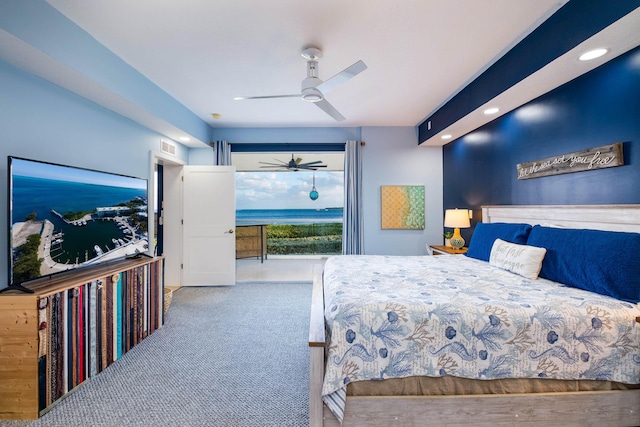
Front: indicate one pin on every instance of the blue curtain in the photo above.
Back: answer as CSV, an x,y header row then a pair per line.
x,y
352,236
222,150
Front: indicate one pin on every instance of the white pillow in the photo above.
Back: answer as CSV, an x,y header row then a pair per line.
x,y
551,225
520,259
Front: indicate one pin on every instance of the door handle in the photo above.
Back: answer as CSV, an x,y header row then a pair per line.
x,y
230,231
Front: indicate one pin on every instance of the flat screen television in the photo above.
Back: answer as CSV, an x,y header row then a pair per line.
x,y
64,217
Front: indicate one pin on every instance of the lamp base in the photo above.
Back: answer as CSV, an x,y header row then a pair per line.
x,y
457,242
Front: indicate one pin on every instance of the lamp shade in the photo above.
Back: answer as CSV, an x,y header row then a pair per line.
x,y
457,218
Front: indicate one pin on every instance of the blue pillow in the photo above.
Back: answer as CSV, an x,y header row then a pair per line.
x,y
485,234
605,262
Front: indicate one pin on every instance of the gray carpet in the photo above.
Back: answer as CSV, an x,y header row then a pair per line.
x,y
227,357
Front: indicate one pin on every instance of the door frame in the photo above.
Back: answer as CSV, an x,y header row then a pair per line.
x,y
172,214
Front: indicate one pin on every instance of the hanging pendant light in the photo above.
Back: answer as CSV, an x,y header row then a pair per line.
x,y
313,194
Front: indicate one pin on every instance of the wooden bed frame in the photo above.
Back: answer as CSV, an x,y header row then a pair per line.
x,y
600,408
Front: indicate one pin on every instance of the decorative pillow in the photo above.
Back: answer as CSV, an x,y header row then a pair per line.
x,y
605,262
485,234
520,259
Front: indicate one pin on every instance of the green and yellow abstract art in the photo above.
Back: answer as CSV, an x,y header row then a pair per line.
x,y
402,207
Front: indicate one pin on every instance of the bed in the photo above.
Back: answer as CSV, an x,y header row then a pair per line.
x,y
512,349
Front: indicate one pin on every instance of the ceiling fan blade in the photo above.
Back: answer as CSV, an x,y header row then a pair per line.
x,y
313,164
342,77
274,164
242,98
329,109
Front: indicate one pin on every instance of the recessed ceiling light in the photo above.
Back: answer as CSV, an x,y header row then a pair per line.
x,y
185,139
593,54
492,110
447,136
216,116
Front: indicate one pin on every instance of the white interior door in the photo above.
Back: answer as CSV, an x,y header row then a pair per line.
x,y
209,219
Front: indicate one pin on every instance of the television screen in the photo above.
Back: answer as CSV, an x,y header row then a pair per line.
x,y
63,217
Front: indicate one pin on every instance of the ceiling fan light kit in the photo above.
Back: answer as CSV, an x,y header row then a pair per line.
x,y
311,94
312,87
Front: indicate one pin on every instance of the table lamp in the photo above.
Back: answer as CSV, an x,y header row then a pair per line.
x,y
457,219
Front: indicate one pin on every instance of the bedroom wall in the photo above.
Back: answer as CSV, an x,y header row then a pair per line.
x,y
42,121
598,108
287,135
307,135
391,156
41,40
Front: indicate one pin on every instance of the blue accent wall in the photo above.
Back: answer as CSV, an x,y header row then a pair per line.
x,y
598,108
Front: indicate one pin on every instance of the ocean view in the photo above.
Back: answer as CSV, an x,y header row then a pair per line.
x,y
72,242
288,216
41,195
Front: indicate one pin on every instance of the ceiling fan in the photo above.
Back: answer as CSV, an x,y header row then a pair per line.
x,y
294,164
313,88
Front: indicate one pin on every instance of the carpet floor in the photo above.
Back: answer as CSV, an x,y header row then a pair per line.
x,y
235,356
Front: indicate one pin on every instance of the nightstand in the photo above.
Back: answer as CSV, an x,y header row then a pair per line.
x,y
446,250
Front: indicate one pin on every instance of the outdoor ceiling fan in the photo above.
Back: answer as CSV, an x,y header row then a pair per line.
x,y
313,88
294,164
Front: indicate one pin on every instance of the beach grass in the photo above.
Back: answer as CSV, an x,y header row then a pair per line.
x,y
304,239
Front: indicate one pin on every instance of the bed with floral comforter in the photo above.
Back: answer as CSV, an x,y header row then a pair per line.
x,y
394,317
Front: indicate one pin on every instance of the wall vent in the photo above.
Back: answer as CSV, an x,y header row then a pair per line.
x,y
167,147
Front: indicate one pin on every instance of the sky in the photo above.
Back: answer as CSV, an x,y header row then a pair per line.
x,y
288,190
37,169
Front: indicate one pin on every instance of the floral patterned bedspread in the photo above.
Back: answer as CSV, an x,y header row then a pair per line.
x,y
392,317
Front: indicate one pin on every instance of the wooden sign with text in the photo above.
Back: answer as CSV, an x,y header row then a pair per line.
x,y
607,156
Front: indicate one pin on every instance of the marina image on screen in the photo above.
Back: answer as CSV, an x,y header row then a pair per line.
x,y
62,217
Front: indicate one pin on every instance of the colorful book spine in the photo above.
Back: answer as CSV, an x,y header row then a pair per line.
x,y
83,330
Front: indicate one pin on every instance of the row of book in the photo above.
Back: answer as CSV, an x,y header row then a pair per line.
x,y
85,329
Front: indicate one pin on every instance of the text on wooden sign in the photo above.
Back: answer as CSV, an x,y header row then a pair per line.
x,y
607,156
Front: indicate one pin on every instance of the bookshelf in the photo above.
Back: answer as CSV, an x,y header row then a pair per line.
x,y
71,328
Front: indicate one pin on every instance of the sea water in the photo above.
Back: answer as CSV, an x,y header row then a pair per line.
x,y
39,196
288,216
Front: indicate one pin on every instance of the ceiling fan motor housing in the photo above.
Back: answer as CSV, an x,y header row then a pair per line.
x,y
308,86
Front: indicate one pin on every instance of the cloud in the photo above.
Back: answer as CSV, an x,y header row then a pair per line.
x,y
288,190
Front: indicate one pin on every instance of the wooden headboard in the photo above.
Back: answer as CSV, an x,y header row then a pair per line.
x,y
595,217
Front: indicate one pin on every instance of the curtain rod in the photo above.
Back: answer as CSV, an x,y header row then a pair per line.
x,y
288,143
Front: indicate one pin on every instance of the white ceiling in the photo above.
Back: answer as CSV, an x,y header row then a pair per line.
x,y
419,53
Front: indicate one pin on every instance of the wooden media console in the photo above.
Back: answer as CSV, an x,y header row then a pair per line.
x,y
71,328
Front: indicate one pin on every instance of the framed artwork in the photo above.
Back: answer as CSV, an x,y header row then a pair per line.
x,y
402,207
